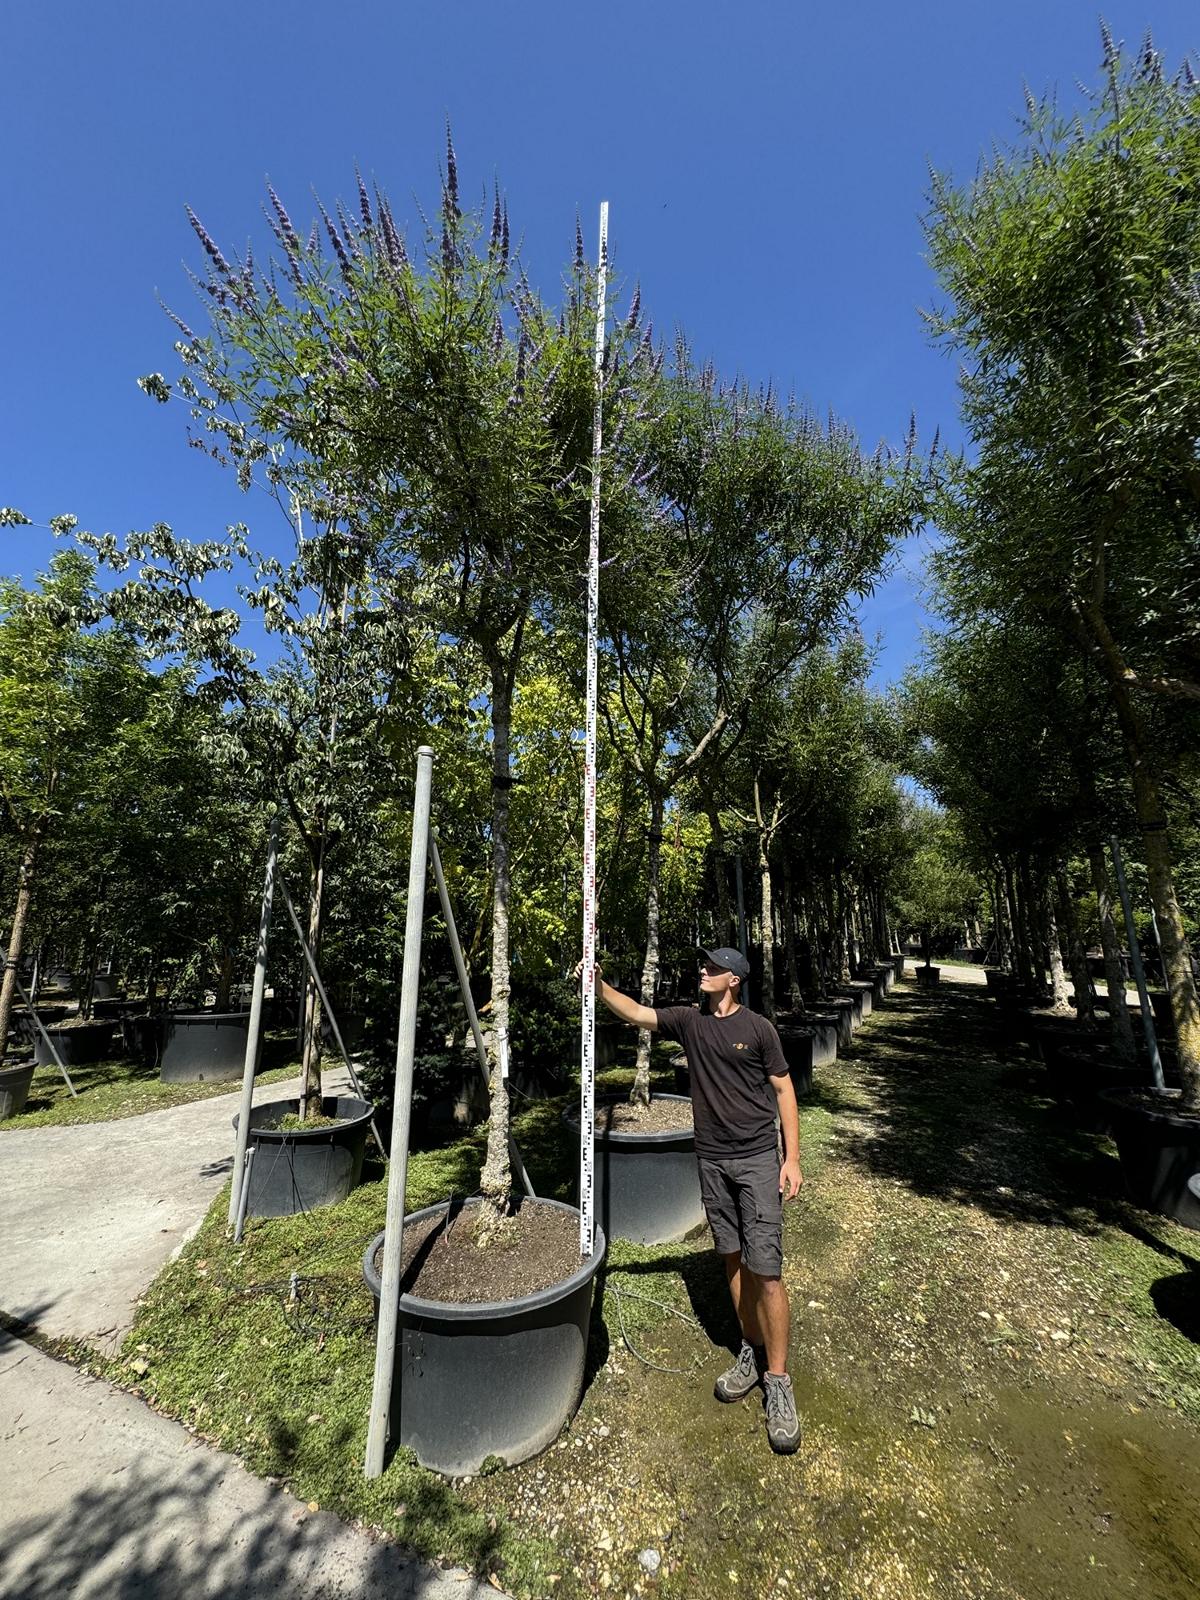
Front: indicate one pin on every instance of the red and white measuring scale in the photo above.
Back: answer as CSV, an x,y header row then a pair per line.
x,y
587,1075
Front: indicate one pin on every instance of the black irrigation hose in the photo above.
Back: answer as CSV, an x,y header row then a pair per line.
x,y
645,1299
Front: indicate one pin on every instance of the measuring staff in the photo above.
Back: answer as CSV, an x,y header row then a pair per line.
x,y
740,1085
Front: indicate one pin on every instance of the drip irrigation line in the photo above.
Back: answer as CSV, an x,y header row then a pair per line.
x,y
661,1305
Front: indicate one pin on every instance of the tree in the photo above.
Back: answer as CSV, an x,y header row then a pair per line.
x,y
1069,263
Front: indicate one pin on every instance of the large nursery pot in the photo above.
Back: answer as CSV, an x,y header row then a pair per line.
x,y
898,967
1159,1150
105,986
797,1044
844,1011
298,1169
881,980
496,1379
647,1184
824,1026
860,997
929,976
14,1089
201,1046
77,1046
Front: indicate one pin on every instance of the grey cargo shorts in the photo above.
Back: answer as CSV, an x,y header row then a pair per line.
x,y
745,1209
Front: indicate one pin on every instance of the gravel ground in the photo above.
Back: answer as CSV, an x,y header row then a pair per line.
x,y
995,1403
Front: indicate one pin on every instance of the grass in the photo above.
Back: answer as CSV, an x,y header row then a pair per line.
x,y
110,1090
995,1358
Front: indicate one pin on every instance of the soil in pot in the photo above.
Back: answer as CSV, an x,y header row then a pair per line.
x,y
662,1115
445,1259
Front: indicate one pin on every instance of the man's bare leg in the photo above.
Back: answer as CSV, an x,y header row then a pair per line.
x,y
742,1287
774,1318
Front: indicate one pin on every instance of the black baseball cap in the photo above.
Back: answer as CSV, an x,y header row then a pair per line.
x,y
732,960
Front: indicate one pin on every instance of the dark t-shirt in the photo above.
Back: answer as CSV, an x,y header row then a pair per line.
x,y
731,1061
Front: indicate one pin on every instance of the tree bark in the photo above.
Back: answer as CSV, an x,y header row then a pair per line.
x,y
310,1066
496,1179
1119,1022
725,911
640,1093
795,993
1058,978
16,938
768,932
1085,994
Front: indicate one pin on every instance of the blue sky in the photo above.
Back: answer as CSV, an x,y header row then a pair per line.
x,y
766,165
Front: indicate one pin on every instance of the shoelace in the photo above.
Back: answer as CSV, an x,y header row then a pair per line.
x,y
779,1403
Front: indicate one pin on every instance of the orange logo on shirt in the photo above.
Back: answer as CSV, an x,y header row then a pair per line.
x,y
739,1047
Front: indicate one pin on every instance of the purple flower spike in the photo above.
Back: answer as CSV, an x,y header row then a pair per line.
x,y
504,238
578,244
217,259
285,222
635,310
497,224
335,239
364,202
451,176
393,243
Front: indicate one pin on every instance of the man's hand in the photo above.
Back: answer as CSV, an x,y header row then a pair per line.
x,y
597,974
791,1180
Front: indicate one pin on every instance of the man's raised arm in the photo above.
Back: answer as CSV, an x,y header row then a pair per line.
x,y
623,1005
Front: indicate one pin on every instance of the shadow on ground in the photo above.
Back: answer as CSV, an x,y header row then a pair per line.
x,y
134,1537
958,1116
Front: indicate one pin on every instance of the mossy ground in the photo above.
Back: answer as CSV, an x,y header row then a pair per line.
x,y
995,1359
106,1091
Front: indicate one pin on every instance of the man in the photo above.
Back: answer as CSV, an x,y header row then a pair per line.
x,y
740,1084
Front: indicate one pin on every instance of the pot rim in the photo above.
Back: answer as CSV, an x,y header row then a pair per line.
x,y
18,1068
1124,1100
486,1310
199,1016
308,1135
634,1140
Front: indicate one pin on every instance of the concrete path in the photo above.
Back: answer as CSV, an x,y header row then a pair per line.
x,y
92,1212
103,1499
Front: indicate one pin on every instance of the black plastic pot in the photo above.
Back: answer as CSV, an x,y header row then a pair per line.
x,y
61,981
929,976
797,1042
825,1025
1159,1150
201,1046
105,986
841,1009
14,1089
881,980
647,1184
860,996
498,1379
77,1046
303,1168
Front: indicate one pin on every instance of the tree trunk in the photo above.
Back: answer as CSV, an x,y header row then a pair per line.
x,y
224,979
16,938
1022,936
496,1179
1058,977
310,1066
1085,994
1152,822
640,1093
768,931
1120,1025
725,911
795,993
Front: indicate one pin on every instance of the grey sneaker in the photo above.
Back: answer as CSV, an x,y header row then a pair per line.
x,y
745,1374
783,1425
